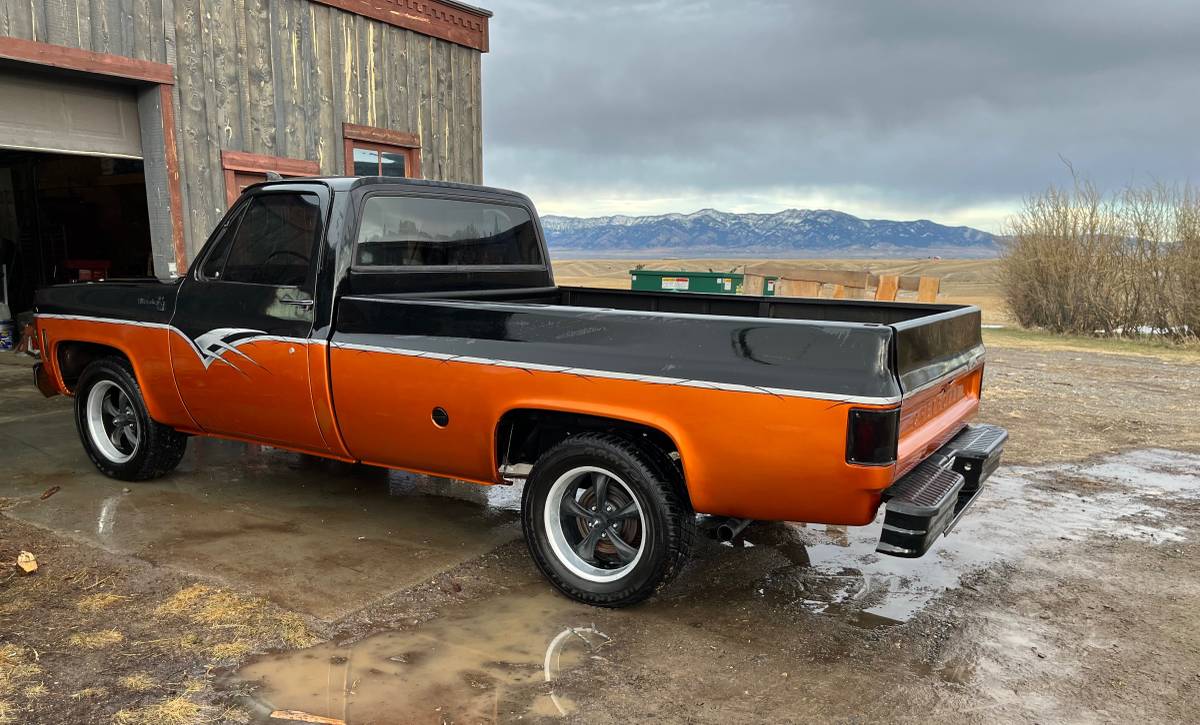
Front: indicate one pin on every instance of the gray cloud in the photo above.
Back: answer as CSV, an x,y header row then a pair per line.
x,y
934,104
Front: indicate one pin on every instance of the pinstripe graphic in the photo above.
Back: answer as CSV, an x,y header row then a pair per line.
x,y
209,347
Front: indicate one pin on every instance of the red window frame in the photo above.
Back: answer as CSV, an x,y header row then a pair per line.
x,y
371,138
243,169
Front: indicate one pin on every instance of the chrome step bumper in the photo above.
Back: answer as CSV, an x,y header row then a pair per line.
x,y
930,499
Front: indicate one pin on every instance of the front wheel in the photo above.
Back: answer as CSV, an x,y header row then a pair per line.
x,y
605,522
116,429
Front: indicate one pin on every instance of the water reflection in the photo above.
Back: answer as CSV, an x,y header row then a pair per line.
x,y
108,515
489,663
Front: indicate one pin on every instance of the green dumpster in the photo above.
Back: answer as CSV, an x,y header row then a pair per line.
x,y
658,280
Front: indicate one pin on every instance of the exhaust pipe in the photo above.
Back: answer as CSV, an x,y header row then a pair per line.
x,y
730,529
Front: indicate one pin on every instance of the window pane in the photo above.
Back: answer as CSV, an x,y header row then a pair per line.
x,y
404,230
214,264
275,240
366,162
393,164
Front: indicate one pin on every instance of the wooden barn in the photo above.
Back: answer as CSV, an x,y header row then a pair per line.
x,y
127,127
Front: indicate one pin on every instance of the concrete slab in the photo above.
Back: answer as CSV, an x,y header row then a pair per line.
x,y
316,536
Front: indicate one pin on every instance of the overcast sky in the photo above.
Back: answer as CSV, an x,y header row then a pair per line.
x,y
950,110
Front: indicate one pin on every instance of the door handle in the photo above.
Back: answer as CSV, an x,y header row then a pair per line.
x,y
305,304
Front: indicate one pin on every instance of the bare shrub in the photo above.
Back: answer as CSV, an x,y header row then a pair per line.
x,y
1079,261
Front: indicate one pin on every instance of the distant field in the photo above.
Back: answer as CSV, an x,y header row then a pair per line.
x,y
966,281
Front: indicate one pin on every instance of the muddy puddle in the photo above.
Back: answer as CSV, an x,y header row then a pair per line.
x,y
837,572
516,654
498,660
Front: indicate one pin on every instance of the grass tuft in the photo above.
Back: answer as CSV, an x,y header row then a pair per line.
x,y
15,669
190,642
234,715
95,640
253,621
234,650
36,691
138,682
183,600
90,693
173,711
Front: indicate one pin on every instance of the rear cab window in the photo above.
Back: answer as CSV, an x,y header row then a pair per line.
x,y
415,231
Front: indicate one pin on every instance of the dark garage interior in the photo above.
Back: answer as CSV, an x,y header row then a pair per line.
x,y
71,218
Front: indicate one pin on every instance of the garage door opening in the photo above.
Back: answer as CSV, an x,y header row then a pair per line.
x,y
71,218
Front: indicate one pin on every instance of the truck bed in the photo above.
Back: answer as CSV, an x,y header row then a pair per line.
x,y
875,349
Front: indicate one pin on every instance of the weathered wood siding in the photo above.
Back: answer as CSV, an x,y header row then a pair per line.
x,y
141,29
277,77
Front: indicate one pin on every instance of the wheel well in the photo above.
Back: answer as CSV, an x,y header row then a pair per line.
x,y
525,434
74,357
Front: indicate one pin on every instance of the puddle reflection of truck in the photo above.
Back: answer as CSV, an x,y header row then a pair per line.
x,y
416,325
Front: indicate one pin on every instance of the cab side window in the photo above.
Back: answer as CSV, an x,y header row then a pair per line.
x,y
272,243
214,264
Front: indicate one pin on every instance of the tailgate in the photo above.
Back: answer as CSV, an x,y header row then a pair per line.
x,y
939,363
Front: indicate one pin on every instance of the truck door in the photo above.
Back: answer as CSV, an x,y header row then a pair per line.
x,y
241,348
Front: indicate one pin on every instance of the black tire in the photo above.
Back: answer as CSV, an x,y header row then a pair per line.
x,y
666,524
153,449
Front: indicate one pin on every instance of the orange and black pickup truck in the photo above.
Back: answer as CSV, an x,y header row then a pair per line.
x,y
416,325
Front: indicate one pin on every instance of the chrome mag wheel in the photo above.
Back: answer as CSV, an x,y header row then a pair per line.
x,y
112,421
595,525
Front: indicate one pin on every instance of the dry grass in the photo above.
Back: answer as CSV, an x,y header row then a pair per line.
x,y
138,682
244,623
15,667
90,693
35,691
13,606
190,642
16,672
194,685
234,650
98,602
1038,340
95,640
233,715
172,711
184,600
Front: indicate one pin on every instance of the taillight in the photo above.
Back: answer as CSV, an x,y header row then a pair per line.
x,y
872,436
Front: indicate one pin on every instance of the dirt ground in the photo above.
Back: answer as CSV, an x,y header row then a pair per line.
x,y
253,579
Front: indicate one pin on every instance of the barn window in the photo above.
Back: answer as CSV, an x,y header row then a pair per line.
x,y
243,169
374,151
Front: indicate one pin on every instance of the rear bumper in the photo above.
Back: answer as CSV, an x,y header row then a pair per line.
x,y
929,500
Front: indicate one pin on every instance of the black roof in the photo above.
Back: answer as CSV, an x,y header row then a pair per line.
x,y
349,183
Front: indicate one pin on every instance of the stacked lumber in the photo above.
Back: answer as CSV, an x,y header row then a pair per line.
x,y
851,284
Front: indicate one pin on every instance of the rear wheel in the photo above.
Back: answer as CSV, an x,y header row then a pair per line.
x,y
606,522
116,429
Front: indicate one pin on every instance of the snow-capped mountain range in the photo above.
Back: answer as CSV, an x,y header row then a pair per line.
x,y
789,233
